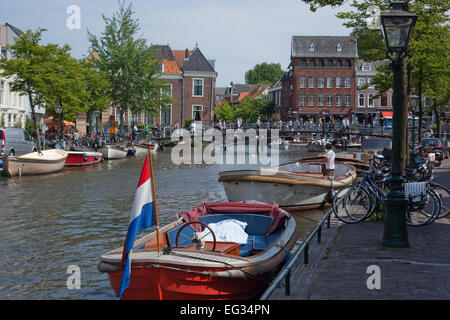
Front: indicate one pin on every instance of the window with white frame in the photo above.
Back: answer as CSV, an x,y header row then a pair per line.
x,y
198,87
303,100
320,82
348,82
330,100
362,100
338,82
365,66
302,82
311,100
348,100
371,85
197,113
338,100
166,116
370,100
321,100
2,88
329,82
361,81
312,82
168,90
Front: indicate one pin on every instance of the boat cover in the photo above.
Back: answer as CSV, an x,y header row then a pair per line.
x,y
207,208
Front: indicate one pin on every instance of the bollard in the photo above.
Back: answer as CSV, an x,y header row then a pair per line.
x,y
287,286
305,252
319,234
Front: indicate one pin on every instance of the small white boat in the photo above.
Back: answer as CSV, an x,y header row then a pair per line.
x,y
113,152
299,185
48,161
142,149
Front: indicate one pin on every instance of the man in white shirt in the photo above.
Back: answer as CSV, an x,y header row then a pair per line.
x,y
330,156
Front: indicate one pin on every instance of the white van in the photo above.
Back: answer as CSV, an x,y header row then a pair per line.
x,y
15,142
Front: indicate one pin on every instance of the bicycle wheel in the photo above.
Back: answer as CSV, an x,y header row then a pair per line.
x,y
352,204
444,196
423,210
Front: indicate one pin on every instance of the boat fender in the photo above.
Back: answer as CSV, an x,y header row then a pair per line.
x,y
106,267
85,159
330,195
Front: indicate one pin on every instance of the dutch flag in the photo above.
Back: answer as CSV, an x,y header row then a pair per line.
x,y
142,217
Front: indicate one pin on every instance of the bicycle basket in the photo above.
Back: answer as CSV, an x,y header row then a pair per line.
x,y
415,191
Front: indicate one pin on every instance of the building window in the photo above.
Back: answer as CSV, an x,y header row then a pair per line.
x,y
320,82
339,64
198,87
321,63
311,47
371,85
302,82
330,100
311,100
321,99
339,47
197,112
384,100
338,82
330,63
348,100
303,100
348,64
361,100
168,90
361,81
312,82
2,88
370,98
312,64
303,63
338,100
329,82
365,66
166,116
348,83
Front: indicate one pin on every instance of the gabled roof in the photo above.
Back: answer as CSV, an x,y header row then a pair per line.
x,y
163,51
324,46
180,55
171,67
16,30
197,62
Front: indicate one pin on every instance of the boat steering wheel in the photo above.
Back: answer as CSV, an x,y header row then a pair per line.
x,y
196,240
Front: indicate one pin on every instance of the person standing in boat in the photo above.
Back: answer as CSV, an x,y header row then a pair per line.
x,y
330,156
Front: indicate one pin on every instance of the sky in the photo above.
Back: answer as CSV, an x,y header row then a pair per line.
x,y
237,34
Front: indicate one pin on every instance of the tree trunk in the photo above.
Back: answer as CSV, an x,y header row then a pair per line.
x,y
36,130
419,138
438,121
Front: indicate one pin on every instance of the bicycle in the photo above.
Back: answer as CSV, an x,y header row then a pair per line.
x,y
422,208
444,197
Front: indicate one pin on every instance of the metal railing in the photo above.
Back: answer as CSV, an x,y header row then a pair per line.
x,y
285,272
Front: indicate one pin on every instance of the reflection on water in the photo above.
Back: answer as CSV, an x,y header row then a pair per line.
x,y
71,218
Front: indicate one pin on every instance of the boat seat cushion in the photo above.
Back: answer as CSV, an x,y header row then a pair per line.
x,y
257,224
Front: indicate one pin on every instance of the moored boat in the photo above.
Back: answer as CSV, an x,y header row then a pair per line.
x,y
203,258
83,158
316,146
142,148
35,163
298,185
111,152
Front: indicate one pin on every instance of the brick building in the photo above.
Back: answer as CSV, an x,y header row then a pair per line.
x,y
319,82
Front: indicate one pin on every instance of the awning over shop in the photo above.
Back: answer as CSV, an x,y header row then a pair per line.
x,y
388,114
51,122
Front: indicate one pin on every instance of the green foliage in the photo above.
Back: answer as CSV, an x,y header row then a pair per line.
x,y
131,66
264,73
2,121
187,122
225,112
29,127
248,109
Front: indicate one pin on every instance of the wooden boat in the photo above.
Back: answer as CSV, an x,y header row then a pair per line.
x,y
110,152
34,163
192,269
142,148
131,151
376,145
83,158
298,185
316,146
358,159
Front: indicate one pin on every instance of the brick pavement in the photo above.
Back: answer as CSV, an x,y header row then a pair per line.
x,y
337,266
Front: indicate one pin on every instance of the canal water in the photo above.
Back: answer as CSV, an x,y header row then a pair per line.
x,y
51,222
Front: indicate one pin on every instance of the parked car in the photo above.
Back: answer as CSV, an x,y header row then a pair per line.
x,y
376,145
15,141
435,145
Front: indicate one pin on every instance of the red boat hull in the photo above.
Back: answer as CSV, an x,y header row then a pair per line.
x,y
169,284
83,158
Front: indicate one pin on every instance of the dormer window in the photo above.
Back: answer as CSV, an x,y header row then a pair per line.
x,y
311,47
339,47
365,66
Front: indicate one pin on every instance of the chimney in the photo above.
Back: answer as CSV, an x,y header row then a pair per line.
x,y
186,53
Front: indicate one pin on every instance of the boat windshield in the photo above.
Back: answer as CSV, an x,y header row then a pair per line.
x,y
378,144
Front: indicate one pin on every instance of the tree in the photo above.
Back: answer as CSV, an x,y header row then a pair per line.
x,y
225,112
264,73
131,66
30,70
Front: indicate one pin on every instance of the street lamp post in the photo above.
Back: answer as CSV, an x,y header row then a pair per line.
x,y
396,26
58,110
414,102
97,115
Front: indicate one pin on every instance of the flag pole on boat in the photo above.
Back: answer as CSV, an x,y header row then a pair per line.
x,y
154,196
